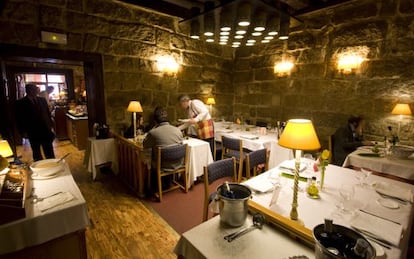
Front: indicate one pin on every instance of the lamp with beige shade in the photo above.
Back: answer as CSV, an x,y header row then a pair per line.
x,y
134,107
401,109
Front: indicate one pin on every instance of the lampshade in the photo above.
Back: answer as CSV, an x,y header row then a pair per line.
x,y
401,109
134,106
5,149
299,134
211,100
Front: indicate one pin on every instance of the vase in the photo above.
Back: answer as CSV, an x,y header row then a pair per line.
x,y
322,177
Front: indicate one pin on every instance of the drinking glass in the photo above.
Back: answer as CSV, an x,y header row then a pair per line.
x,y
362,176
346,191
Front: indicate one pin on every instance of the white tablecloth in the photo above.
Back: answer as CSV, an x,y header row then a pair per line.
x,y
269,141
199,156
101,151
206,241
403,168
313,211
39,227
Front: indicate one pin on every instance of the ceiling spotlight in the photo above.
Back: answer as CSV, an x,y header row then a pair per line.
x,y
259,21
238,36
268,38
240,32
273,25
225,37
209,22
236,43
235,46
249,44
224,33
256,33
223,42
210,40
265,41
284,26
243,14
195,29
251,41
225,19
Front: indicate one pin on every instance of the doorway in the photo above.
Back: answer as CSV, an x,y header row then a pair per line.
x,y
48,61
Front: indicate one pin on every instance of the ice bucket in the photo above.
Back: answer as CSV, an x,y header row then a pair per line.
x,y
338,243
233,208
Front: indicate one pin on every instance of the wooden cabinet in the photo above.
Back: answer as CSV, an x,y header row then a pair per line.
x,y
60,122
78,132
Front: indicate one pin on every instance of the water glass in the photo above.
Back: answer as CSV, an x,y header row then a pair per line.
x,y
347,192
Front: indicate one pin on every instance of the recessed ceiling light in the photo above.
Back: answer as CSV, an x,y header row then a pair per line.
x,y
265,41
236,43
249,44
224,37
208,34
235,46
238,36
244,23
285,37
272,33
268,38
251,41
240,32
224,33
225,28
256,33
195,37
259,28
223,42
210,40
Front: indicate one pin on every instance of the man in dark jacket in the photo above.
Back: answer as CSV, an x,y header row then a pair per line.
x,y
34,121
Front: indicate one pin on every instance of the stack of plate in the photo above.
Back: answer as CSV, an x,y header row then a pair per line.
x,y
45,169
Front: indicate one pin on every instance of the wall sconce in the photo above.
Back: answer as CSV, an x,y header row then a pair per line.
x,y
349,63
167,65
283,68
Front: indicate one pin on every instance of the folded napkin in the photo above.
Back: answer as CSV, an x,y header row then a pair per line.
x,y
248,136
394,191
290,165
260,184
55,200
225,130
378,227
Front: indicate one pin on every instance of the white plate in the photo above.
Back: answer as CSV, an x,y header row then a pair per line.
x,y
379,251
387,203
36,176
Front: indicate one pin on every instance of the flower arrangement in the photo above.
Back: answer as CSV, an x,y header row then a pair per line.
x,y
323,161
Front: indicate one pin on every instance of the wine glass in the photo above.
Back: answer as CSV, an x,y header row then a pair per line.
x,y
346,191
362,176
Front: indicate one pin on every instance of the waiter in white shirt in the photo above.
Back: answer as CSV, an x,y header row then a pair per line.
x,y
199,122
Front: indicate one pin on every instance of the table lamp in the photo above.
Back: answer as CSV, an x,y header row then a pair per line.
x,y
401,109
134,107
211,101
5,151
299,135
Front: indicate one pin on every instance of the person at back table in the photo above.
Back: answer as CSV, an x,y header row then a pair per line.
x,y
34,121
197,112
347,139
163,134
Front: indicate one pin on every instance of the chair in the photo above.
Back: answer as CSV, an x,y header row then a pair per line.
x,y
217,170
172,160
217,150
254,160
232,147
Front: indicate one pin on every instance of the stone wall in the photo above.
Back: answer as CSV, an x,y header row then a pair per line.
x,y
315,90
129,39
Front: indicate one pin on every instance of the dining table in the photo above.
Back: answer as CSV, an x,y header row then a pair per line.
x,y
100,152
207,241
55,215
254,138
364,157
380,206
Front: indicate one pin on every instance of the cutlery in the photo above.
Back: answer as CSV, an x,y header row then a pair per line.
x,y
63,157
402,201
373,237
372,214
258,222
38,199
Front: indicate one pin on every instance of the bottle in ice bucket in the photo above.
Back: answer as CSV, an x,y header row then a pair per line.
x,y
227,192
360,249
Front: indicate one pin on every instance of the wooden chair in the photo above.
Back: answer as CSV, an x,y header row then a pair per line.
x,y
217,150
220,169
254,160
172,160
232,147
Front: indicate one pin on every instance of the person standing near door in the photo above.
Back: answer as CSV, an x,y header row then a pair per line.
x,y
34,121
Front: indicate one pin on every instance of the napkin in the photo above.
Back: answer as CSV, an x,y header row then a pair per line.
x,y
248,136
290,165
260,184
394,191
225,130
55,200
381,228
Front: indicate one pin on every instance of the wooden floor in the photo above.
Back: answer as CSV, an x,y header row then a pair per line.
x,y
122,226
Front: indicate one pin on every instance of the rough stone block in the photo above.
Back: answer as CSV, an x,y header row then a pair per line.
x,y
243,77
76,5
7,32
191,73
350,13
110,63
52,17
109,9
301,41
264,74
27,34
75,41
359,33
21,12
406,6
91,43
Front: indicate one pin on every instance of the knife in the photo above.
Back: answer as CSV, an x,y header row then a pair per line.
x,y
374,237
